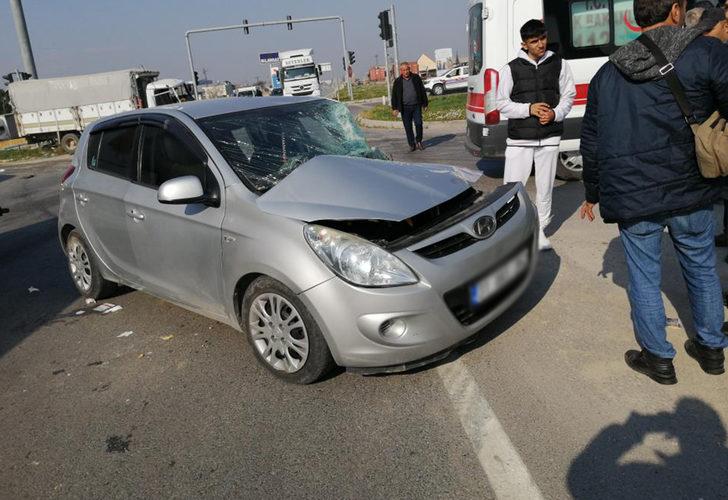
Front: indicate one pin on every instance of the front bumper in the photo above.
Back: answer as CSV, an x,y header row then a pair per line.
x,y
351,317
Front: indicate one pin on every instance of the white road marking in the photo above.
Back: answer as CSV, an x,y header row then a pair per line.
x,y
506,472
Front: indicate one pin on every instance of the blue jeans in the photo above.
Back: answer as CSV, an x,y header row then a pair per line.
x,y
410,114
692,236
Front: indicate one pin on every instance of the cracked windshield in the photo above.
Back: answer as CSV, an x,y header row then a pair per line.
x,y
265,145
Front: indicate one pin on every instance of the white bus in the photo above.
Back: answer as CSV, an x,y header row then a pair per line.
x,y
584,32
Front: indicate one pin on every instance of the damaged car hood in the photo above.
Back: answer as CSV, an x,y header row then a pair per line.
x,y
351,188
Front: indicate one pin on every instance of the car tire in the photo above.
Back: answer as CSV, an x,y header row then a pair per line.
x,y
272,340
569,166
438,89
84,269
69,142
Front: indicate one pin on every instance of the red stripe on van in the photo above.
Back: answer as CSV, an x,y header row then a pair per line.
x,y
582,90
476,102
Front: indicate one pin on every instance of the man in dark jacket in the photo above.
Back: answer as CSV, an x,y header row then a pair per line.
x,y
409,98
640,166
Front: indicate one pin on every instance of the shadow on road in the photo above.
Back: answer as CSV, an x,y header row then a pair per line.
x,y
628,461
434,141
492,168
567,199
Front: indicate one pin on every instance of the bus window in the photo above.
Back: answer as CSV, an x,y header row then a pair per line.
x,y
475,38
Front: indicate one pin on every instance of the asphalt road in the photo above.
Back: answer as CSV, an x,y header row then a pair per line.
x,y
540,405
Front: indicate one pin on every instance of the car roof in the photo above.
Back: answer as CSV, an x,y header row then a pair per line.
x,y
214,107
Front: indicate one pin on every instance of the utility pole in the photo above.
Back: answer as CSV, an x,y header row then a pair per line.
x,y
394,38
386,74
23,39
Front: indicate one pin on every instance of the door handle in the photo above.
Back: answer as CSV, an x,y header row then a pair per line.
x,y
137,216
82,198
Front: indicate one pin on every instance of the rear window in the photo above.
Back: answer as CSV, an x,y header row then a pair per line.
x,y
475,38
113,152
580,29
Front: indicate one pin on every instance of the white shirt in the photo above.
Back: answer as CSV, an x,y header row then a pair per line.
x,y
515,110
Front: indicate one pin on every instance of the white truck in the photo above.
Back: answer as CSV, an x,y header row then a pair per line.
x,y
299,74
58,109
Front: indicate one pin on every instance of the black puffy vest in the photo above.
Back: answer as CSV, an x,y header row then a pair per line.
x,y
532,84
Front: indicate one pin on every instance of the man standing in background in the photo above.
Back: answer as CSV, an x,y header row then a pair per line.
x,y
409,98
536,93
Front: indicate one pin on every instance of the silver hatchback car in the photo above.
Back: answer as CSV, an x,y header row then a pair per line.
x,y
274,216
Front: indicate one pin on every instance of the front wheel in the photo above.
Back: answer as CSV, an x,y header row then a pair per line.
x,y
438,90
284,336
570,166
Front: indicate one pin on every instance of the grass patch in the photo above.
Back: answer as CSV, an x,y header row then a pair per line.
x,y
441,108
22,154
365,91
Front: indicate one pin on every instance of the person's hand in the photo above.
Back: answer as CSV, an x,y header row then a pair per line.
x,y
395,113
587,211
547,117
538,108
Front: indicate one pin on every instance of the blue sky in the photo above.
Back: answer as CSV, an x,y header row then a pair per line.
x,y
74,36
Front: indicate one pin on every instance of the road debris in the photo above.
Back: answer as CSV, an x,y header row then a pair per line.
x,y
125,334
95,363
118,444
57,372
107,308
167,337
79,313
673,323
32,289
90,301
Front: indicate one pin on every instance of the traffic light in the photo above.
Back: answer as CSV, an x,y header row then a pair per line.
x,y
246,30
385,29
197,78
352,59
289,25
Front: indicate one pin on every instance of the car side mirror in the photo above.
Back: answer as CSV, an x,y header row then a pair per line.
x,y
181,191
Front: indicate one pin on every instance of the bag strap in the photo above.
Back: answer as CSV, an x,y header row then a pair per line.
x,y
668,71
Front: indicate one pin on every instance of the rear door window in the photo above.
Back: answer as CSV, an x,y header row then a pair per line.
x,y
475,38
166,156
113,152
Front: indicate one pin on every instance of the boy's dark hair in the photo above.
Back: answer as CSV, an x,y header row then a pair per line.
x,y
533,29
650,12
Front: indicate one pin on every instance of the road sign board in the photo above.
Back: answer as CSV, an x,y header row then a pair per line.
x,y
268,57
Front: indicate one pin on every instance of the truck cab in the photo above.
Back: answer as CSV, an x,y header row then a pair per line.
x,y
299,73
167,91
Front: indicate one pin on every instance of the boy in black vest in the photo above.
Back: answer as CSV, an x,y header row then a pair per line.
x,y
535,93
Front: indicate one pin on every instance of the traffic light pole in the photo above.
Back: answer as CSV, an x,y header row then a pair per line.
x,y
394,38
386,74
269,23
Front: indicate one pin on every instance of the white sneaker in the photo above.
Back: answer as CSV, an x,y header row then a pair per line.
x,y
543,242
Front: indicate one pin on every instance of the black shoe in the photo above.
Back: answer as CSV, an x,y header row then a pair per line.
x,y
420,146
661,370
710,360
412,148
721,240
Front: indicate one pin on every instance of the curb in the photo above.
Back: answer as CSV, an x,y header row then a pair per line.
x,y
4,163
364,122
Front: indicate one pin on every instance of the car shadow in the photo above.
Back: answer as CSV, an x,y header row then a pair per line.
x,y
678,454
434,141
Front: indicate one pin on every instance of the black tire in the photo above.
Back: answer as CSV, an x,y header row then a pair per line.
x,y
69,142
99,287
319,361
567,169
438,89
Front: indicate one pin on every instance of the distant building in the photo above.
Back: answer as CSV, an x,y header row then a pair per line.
x,y
426,66
377,74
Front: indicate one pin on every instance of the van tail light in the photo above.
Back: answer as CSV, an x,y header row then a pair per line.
x,y
138,103
68,173
491,78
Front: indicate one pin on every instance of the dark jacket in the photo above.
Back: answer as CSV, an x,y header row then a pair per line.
x,y
638,151
533,83
397,94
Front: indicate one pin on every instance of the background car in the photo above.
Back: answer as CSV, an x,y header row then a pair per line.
x,y
454,80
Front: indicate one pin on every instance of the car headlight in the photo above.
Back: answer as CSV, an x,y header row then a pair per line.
x,y
357,260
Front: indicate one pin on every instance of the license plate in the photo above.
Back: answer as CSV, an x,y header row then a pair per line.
x,y
495,281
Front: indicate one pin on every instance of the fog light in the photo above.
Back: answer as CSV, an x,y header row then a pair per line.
x,y
393,328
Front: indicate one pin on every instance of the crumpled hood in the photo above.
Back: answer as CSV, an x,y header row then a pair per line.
x,y
637,63
350,188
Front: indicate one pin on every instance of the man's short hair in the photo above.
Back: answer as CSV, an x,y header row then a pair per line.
x,y
404,63
533,29
692,18
650,12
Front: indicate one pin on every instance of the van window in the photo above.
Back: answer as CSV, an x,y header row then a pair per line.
x,y
581,29
116,152
475,38
165,157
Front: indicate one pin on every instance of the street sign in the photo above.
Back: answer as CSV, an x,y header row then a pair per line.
x,y
325,67
269,57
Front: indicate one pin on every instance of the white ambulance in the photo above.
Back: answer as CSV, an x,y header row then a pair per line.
x,y
584,32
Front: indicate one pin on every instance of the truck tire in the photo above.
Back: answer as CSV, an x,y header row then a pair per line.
x,y
69,142
569,167
438,89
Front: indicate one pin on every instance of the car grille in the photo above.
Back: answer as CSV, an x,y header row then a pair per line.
x,y
458,299
455,243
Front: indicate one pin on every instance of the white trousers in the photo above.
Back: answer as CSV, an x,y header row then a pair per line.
x,y
519,160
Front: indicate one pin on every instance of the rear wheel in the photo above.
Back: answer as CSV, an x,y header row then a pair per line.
x,y
438,90
569,167
84,269
284,336
69,142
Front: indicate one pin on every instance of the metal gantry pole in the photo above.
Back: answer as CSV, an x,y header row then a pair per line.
x,y
394,38
268,23
26,52
386,74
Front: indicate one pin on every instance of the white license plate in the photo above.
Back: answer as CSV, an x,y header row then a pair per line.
x,y
495,281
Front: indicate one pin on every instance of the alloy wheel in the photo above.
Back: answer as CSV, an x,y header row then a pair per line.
x,y
278,332
80,265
